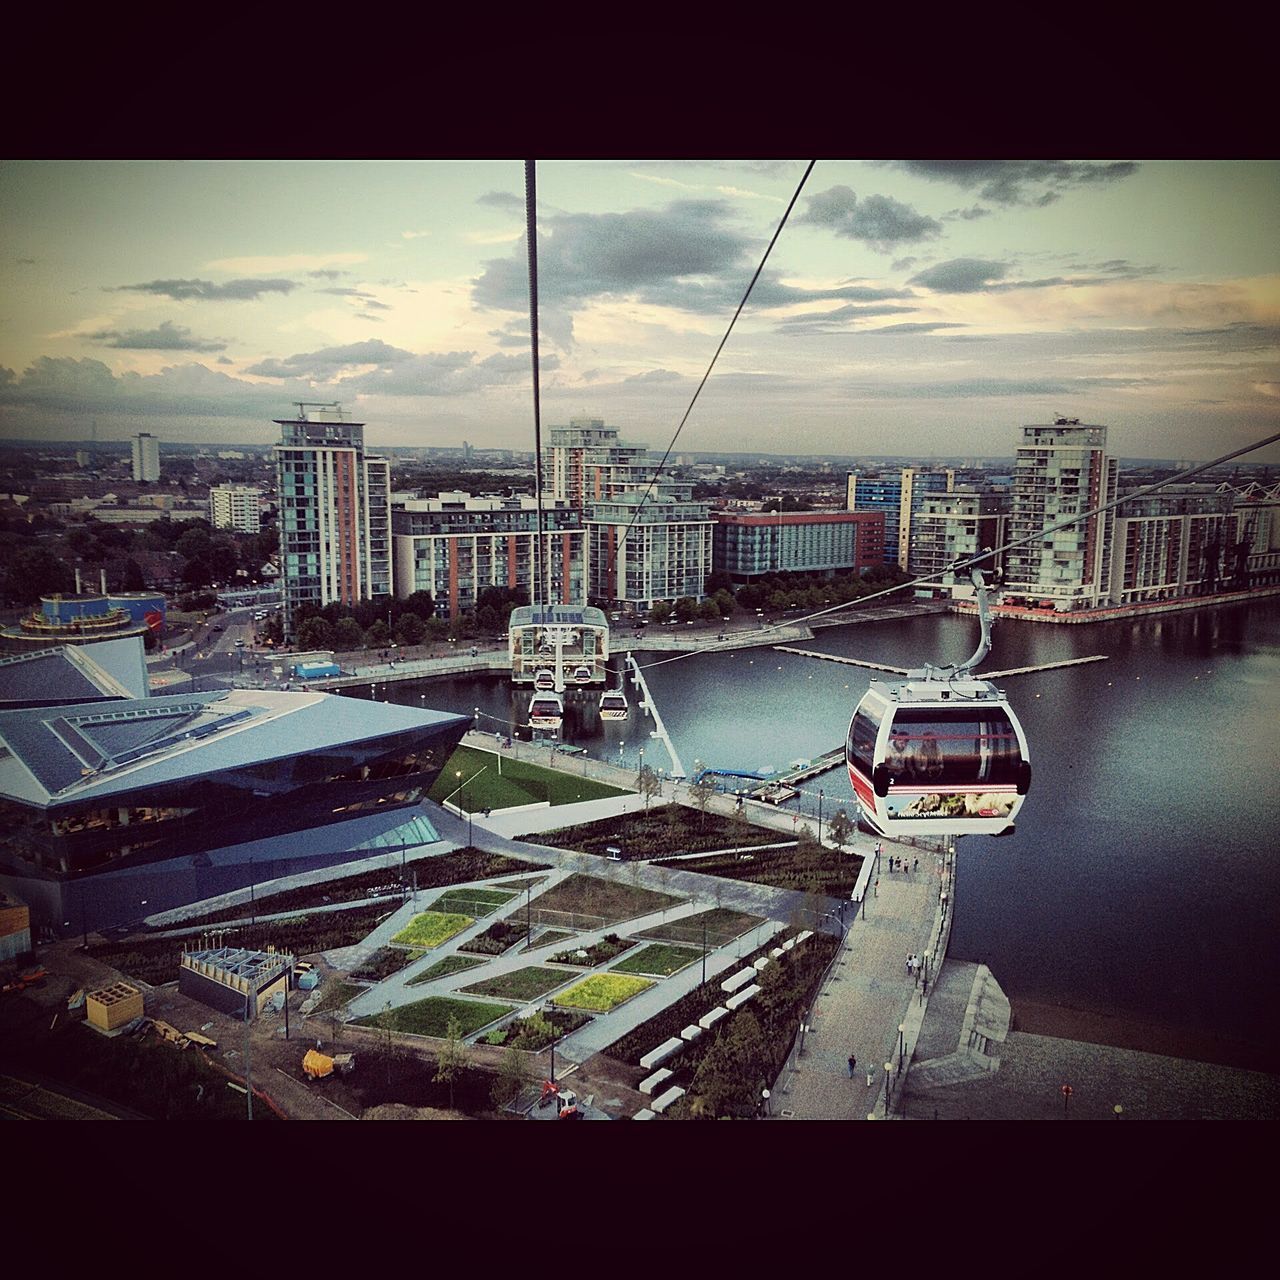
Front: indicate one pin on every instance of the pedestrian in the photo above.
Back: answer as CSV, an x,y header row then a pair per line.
x,y
908,964
869,1075
853,1062
915,864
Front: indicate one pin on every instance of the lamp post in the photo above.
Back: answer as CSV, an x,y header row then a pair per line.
x,y
704,950
821,793
764,1101
888,1072
1118,1110
924,972
528,927
902,1040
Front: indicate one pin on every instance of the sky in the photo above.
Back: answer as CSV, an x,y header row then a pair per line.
x,y
923,308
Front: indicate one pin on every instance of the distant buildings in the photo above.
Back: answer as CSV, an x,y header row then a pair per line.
x,y
335,514
953,526
644,549
898,496
1061,470
146,458
749,546
456,546
235,506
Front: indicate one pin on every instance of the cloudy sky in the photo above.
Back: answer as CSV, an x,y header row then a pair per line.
x,y
909,307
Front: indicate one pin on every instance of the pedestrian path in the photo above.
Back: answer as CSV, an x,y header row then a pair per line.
x,y
867,996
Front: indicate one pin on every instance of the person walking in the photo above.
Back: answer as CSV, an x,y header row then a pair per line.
x,y
853,1063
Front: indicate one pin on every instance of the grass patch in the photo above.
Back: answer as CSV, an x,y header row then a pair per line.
x,y
431,928
335,995
524,984
430,1017
521,782
658,958
722,927
443,968
602,992
472,902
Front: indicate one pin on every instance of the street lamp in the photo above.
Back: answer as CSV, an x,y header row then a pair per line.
x,y
902,1034
821,793
1118,1110
764,1100
888,1072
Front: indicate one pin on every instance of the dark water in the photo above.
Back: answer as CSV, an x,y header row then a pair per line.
x,y
1142,880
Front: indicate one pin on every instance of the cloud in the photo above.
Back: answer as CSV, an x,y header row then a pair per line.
x,y
879,221
413,235
838,320
448,373
1021,182
345,291
656,375
374,305
332,360
167,337
685,256
206,290
961,275
326,274
913,326
503,200
284,262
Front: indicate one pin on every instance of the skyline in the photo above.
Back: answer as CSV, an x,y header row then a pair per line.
x,y
909,307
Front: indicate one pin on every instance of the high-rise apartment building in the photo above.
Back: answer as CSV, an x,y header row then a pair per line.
x,y
235,506
1061,470
899,495
146,458
455,546
644,549
954,526
335,514
750,546
588,463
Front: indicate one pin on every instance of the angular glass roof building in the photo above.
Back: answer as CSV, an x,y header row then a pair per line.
x,y
113,810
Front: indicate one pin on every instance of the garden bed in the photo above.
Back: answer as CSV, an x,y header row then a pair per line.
x,y
536,1032
602,992
522,984
431,928
601,953
386,961
499,937
443,968
658,959
721,926
808,867
430,1017
660,832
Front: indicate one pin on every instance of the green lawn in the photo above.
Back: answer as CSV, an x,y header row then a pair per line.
x,y
430,1017
472,902
443,968
431,928
520,782
548,937
524,984
658,958
602,992
336,994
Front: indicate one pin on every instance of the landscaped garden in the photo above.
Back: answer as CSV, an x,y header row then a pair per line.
x,y
443,968
538,1030
335,994
659,959
583,902
600,953
602,992
548,938
459,866
431,928
500,936
481,786
808,866
472,902
523,984
668,829
384,962
720,926
430,1017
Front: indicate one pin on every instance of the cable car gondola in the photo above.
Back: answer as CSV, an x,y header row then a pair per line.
x,y
546,711
941,752
544,680
613,705
583,674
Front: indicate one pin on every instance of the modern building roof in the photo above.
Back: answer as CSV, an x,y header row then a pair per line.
x,y
562,615
68,673
94,750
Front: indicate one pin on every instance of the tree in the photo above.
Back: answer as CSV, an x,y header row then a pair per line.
x,y
133,577
315,633
348,635
513,1076
709,611
410,629
648,784
702,791
841,829
686,609
195,573
660,611
452,1057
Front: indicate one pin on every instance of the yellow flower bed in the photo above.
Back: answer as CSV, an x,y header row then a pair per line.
x,y
431,928
602,992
